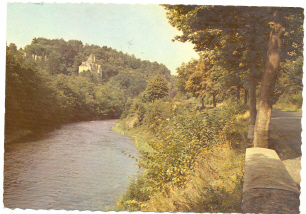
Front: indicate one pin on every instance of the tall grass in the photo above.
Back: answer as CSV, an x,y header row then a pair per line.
x,y
193,158
214,186
140,134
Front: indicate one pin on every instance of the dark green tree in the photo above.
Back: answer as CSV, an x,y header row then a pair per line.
x,y
31,100
156,88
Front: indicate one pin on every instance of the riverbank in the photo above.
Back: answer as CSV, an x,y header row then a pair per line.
x,y
28,135
140,135
39,132
195,163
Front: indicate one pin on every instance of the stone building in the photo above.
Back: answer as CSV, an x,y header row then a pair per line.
x,y
91,65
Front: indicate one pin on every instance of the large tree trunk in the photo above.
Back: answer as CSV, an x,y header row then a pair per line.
x,y
252,75
261,132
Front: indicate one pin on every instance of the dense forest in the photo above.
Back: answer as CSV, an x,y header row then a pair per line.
x,y
44,88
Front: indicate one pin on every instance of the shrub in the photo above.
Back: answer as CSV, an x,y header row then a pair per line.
x,y
156,113
182,135
192,150
137,193
214,186
138,108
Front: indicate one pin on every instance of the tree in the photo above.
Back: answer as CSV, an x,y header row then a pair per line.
x,y
110,99
202,81
156,88
31,100
183,72
225,30
289,86
13,49
282,19
261,132
210,27
54,64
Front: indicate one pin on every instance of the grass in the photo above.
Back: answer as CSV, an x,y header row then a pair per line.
x,y
214,185
288,102
287,107
141,136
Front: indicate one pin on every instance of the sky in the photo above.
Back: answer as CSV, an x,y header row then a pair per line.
x,y
139,29
142,30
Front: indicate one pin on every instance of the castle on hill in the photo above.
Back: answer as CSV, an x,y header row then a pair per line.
x,y
91,65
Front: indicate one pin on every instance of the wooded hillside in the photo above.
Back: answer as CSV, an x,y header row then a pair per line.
x,y
44,88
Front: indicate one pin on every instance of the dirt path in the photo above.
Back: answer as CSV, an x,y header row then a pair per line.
x,y
285,139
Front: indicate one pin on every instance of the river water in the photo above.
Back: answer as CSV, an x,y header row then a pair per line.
x,y
81,166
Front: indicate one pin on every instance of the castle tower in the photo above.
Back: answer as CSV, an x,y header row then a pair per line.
x,y
91,65
91,58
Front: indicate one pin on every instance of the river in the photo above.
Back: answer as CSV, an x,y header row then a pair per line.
x,y
81,166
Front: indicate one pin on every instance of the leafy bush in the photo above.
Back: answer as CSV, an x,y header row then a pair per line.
x,y
137,193
156,113
215,185
138,108
190,148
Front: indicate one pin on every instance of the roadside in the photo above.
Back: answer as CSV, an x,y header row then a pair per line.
x,y
285,139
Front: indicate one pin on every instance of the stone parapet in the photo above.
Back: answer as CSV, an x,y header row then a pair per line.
x,y
268,187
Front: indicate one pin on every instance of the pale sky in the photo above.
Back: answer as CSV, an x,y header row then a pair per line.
x,y
139,29
142,30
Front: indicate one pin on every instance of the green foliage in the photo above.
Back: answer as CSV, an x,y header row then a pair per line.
x,y
214,186
292,102
289,87
44,89
181,137
31,98
174,149
57,56
238,37
132,83
155,114
111,99
210,77
156,88
184,71
138,192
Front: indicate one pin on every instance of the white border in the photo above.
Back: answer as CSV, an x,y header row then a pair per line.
x,y
290,3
